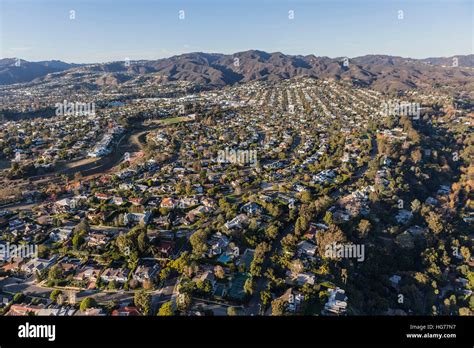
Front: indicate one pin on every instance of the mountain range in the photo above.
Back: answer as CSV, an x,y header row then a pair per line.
x,y
14,70
381,72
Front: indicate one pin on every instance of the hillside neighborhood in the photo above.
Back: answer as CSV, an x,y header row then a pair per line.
x,y
298,197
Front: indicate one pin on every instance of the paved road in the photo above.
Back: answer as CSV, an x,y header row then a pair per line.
x,y
25,286
164,294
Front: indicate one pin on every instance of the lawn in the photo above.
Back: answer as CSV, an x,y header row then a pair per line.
x,y
172,120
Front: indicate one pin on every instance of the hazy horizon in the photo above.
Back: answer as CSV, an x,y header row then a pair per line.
x,y
253,49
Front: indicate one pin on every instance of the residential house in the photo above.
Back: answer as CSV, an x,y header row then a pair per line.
x,y
146,273
133,218
115,274
337,302
126,311
306,248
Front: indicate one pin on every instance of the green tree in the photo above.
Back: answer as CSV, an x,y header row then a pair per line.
x,y
142,242
86,303
184,301
78,239
18,297
363,228
82,226
301,225
333,235
249,286
54,295
180,264
166,309
434,222
278,306
231,311
143,301
198,241
306,197
266,297
328,219
271,232
54,273
253,224
415,206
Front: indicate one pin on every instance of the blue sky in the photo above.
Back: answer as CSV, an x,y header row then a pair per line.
x,y
108,30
